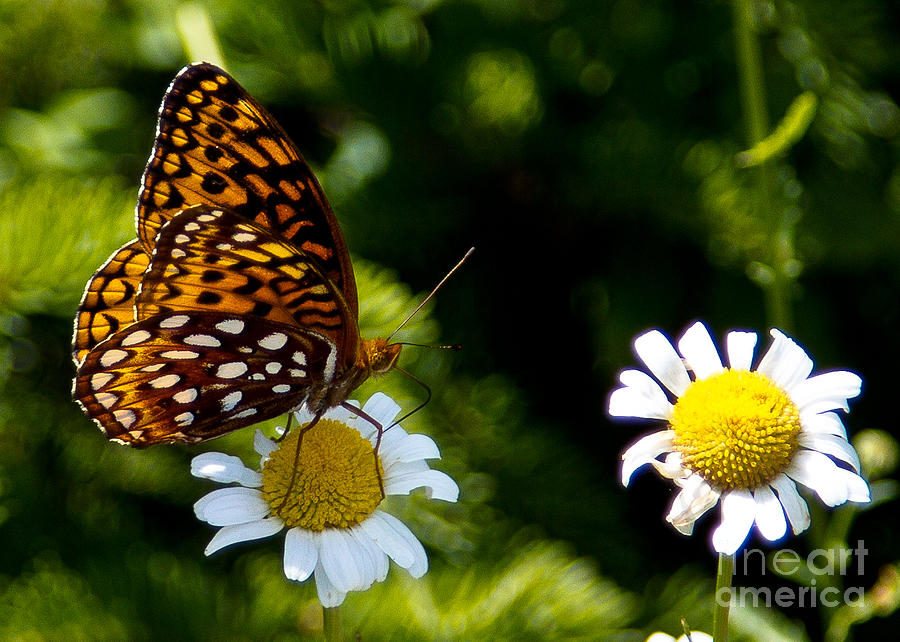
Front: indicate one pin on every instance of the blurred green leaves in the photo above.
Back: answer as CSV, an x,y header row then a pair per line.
x,y
56,232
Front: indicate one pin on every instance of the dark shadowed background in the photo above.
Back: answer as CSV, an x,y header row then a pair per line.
x,y
585,148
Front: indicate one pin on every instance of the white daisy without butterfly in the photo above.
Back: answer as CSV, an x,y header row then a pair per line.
x,y
326,495
738,436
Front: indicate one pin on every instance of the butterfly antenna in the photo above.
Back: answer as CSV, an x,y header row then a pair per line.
x,y
421,383
436,288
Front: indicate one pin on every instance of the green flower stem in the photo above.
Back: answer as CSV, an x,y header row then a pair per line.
x,y
332,624
723,598
753,100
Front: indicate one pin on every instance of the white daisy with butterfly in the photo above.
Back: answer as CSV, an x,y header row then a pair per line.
x,y
327,496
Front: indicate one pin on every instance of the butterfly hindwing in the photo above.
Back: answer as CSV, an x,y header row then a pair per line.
x,y
209,259
216,145
192,376
108,301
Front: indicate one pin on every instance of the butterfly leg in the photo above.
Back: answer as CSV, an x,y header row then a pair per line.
x,y
380,429
302,432
287,429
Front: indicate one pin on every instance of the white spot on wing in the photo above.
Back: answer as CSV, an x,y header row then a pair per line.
x,y
204,218
297,372
165,381
202,340
244,413
135,338
231,326
281,388
178,253
125,417
174,322
106,399
185,396
231,370
112,357
184,419
300,358
192,226
182,238
274,341
231,400
100,379
179,354
243,237
224,246
258,376
330,364
273,367
153,367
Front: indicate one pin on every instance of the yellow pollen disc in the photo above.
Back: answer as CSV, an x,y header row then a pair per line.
x,y
736,429
332,481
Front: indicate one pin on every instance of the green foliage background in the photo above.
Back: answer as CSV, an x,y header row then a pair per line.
x,y
586,148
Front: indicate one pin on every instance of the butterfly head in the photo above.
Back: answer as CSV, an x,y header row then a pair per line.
x,y
379,355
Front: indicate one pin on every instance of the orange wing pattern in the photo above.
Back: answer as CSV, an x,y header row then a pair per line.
x,y
214,260
107,304
237,301
193,376
216,145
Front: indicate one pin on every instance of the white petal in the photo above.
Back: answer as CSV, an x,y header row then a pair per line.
x,y
303,416
818,472
826,422
397,541
857,488
769,514
698,349
827,391
641,397
437,485
644,451
382,409
660,357
224,469
696,497
794,505
411,448
672,468
738,513
378,557
785,363
831,445
301,554
340,557
329,595
740,347
242,533
228,506
263,445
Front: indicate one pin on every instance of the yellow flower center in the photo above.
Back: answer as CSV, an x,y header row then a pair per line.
x,y
736,429
330,482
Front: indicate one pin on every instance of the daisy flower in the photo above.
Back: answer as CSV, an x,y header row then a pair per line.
x,y
739,436
326,496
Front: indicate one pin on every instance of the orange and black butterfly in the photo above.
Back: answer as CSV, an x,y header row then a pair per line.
x,y
237,301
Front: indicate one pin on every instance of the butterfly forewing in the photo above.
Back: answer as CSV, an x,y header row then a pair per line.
x,y
191,376
108,301
207,259
216,145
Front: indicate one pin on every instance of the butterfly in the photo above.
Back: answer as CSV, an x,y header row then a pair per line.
x,y
237,301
